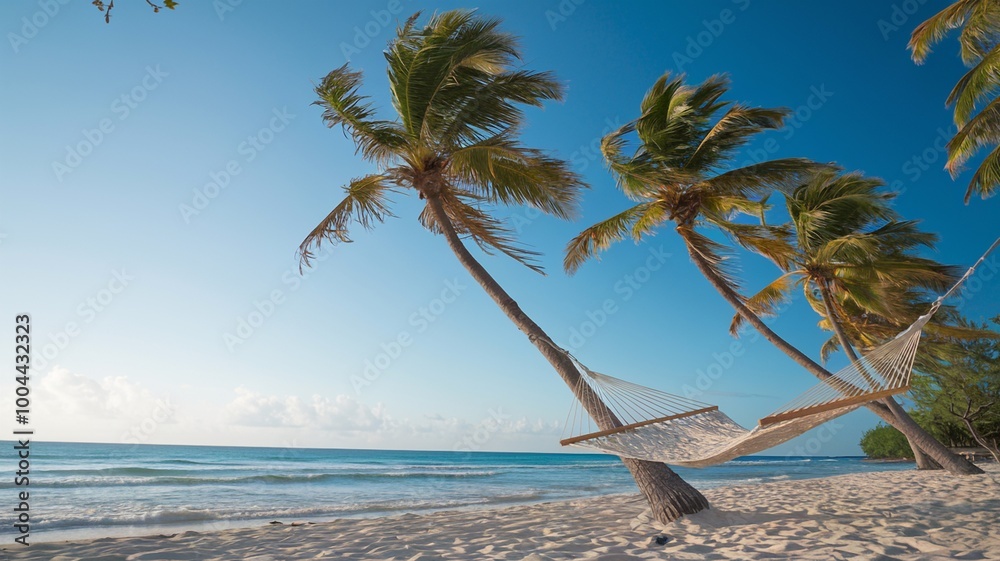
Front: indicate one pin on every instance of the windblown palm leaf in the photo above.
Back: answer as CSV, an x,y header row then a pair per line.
x,y
978,20
979,40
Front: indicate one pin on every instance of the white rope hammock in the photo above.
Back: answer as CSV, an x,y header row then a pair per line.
x,y
658,426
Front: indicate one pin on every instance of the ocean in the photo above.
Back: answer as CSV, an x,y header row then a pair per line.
x,y
101,490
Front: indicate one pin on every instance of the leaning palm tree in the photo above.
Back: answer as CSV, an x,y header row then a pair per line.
x,y
979,46
853,258
679,173
457,89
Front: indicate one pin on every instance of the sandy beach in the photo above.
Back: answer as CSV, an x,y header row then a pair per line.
x,y
906,515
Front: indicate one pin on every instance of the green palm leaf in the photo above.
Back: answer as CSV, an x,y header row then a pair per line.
x,y
975,86
850,240
366,204
768,300
503,171
973,14
736,127
716,256
979,39
477,106
982,130
489,233
590,242
338,95
783,175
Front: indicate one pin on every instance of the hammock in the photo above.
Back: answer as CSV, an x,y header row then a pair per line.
x,y
661,427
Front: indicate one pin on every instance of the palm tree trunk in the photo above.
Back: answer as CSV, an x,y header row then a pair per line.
x,y
669,496
943,456
922,460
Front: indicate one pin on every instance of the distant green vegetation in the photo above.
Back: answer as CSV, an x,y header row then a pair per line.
x,y
884,442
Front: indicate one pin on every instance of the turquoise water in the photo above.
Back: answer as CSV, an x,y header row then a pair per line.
x,y
90,490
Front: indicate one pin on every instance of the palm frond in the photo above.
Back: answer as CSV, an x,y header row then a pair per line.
x,y
766,301
771,242
987,177
846,249
717,257
783,175
891,242
815,302
937,27
830,206
501,170
639,176
904,235
376,140
669,126
982,130
722,207
704,100
903,271
476,106
470,220
590,242
456,75
366,204
960,332
869,296
734,129
977,84
414,58
979,33
829,348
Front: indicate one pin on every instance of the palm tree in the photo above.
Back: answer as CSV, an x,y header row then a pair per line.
x,y
678,173
979,21
457,91
853,259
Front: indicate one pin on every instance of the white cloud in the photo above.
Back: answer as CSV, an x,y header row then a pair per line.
x,y
525,425
75,407
342,413
71,395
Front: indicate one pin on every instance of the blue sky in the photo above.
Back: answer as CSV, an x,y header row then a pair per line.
x,y
158,174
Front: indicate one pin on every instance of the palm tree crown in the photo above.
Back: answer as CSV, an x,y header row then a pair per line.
x,y
853,256
680,172
457,92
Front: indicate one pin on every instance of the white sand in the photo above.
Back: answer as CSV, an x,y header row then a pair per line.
x,y
889,515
